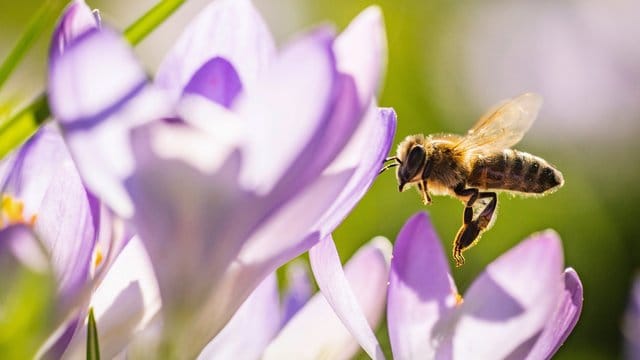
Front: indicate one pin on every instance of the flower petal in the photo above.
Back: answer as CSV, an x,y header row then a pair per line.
x,y
281,238
231,29
365,153
512,300
631,327
356,296
27,172
361,51
288,107
68,225
98,92
216,80
124,303
251,328
298,289
563,320
76,20
421,291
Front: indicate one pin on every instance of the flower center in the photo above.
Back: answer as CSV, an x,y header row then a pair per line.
x,y
98,256
459,299
12,212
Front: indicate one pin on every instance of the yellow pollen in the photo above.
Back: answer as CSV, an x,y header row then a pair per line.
x,y
98,256
459,299
12,212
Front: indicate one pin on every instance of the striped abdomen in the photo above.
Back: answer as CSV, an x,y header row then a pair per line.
x,y
514,171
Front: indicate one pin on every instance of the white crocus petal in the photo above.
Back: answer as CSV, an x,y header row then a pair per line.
x,y
316,332
251,328
287,108
361,51
231,29
125,302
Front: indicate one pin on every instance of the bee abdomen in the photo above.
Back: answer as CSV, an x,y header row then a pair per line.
x,y
514,171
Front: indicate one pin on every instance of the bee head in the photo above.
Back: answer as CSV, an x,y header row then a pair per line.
x,y
411,164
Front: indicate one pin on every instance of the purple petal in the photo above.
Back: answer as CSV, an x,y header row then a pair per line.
x,y
97,91
631,326
124,303
67,224
298,289
217,80
95,74
251,328
288,107
562,321
512,300
231,29
76,20
355,295
20,248
284,236
421,291
340,294
26,173
365,153
361,51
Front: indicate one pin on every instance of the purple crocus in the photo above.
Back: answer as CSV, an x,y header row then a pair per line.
x,y
310,329
236,159
631,326
523,306
42,191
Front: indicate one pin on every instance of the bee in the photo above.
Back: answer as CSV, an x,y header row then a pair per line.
x,y
475,166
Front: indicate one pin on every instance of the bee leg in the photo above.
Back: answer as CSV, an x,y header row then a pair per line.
x,y
424,191
469,232
485,217
465,238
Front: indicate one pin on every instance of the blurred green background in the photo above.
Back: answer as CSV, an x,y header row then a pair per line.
x,y
449,61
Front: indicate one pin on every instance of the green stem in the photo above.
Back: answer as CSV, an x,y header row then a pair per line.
x,y
149,21
43,18
25,123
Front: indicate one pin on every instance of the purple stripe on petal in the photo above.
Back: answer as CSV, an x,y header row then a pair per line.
x,y
232,29
94,73
87,123
421,291
331,280
76,20
217,80
512,300
563,320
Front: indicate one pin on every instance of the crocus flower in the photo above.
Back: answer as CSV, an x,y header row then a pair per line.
x,y
236,159
523,306
310,330
631,326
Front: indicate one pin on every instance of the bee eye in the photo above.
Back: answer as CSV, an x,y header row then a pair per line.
x,y
414,161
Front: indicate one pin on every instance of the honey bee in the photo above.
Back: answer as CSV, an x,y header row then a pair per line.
x,y
475,166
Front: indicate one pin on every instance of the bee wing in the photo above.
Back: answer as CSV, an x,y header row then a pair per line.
x,y
503,126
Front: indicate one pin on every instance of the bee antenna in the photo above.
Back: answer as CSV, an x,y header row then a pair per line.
x,y
388,167
392,158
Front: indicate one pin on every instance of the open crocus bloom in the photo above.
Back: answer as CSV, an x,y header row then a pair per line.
x,y
41,191
303,328
523,306
236,159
